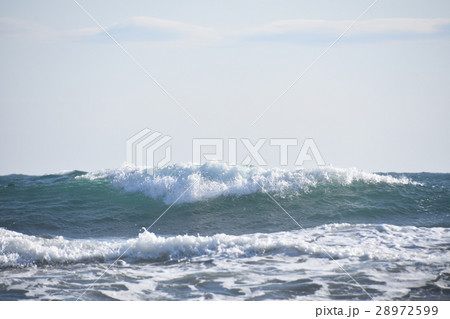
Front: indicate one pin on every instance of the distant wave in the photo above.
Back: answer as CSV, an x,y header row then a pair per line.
x,y
364,241
213,180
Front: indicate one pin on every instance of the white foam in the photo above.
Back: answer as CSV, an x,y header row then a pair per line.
x,y
211,180
393,259
341,241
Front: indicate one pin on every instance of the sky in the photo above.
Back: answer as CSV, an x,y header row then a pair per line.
x,y
372,93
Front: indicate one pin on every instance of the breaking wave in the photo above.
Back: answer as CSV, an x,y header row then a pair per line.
x,y
188,183
337,241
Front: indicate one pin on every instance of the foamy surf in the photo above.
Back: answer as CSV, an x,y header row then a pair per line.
x,y
363,242
305,264
212,180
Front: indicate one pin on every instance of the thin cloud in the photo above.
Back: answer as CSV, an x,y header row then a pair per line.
x,y
317,30
153,30
17,28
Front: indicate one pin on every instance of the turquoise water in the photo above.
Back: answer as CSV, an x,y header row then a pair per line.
x,y
359,235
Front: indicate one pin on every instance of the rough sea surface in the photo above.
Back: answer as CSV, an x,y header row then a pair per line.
x,y
235,233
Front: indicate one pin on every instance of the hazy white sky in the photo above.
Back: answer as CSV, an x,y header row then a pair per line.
x,y
378,100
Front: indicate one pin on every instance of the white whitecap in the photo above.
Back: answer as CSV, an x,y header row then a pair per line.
x,y
339,241
189,183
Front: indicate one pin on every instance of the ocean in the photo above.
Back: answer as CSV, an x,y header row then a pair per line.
x,y
217,232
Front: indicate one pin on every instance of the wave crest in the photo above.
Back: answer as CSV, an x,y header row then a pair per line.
x,y
211,180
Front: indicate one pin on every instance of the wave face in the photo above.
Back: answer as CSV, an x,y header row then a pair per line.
x,y
215,198
186,183
230,234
